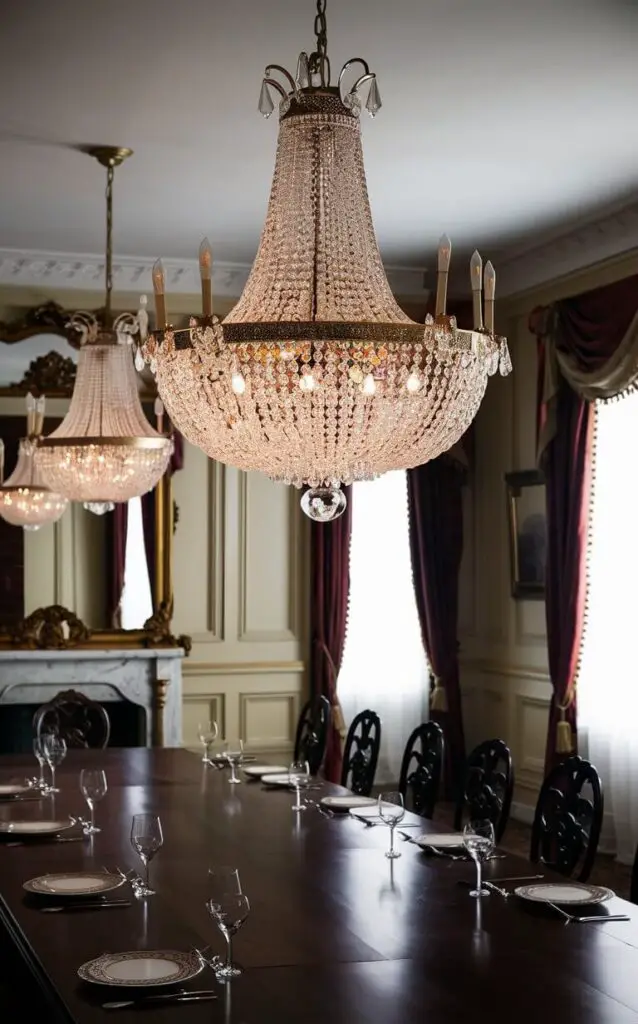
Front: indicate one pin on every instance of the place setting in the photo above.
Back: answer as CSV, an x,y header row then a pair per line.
x,y
67,891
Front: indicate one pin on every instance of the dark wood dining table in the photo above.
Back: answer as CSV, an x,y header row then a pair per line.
x,y
336,932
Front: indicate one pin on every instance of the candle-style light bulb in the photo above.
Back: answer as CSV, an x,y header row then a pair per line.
x,y
476,274
206,274
30,403
39,415
489,278
159,291
158,409
443,268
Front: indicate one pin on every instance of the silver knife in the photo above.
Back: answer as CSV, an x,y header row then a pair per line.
x,y
510,878
85,906
165,997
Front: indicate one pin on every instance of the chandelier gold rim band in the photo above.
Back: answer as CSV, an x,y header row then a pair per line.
x,y
113,442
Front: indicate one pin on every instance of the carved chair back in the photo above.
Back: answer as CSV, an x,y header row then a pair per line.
x,y
568,819
312,732
361,753
421,769
487,789
79,721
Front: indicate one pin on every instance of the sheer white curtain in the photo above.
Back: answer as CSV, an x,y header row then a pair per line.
x,y
384,667
136,605
608,680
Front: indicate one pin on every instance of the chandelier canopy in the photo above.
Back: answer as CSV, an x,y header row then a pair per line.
x,y
105,450
317,377
25,500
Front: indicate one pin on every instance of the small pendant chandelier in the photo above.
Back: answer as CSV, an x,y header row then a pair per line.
x,y
105,450
25,500
317,377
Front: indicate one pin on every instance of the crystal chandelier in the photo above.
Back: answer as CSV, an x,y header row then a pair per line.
x,y
25,500
105,450
317,377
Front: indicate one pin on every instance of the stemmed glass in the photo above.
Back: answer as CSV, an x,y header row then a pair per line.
x,y
299,776
233,753
223,879
93,787
146,839
207,732
479,841
391,811
229,911
54,754
40,755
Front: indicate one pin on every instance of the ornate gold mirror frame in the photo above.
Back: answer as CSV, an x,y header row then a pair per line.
x,y
55,627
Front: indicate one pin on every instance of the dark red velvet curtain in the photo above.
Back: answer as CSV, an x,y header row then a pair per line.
x,y
436,544
329,589
588,328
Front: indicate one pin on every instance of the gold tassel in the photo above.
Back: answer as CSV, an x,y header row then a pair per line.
x,y
564,736
438,697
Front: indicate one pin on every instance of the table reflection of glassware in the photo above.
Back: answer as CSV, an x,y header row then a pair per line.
x,y
299,778
54,753
479,841
40,756
391,811
229,911
234,754
146,839
207,732
93,787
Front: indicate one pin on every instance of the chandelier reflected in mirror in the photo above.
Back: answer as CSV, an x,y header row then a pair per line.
x,y
105,450
25,500
317,377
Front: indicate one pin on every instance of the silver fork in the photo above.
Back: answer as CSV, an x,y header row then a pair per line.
x,y
598,919
324,811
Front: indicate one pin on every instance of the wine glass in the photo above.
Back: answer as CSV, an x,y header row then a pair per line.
x,y
299,776
207,732
233,753
229,911
146,839
93,787
54,754
223,879
479,841
391,811
40,755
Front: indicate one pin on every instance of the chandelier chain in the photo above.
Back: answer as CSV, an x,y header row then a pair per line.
x,y
321,28
110,174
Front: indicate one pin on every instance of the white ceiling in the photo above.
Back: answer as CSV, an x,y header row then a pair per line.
x,y
502,121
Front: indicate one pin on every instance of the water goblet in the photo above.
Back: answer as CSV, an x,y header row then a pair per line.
x,y
40,756
223,879
299,777
229,911
93,787
146,839
391,811
207,732
54,754
479,841
233,754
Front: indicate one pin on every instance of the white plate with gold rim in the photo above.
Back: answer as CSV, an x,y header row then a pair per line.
x,y
564,892
370,810
34,828
441,841
141,968
347,802
78,883
13,789
257,771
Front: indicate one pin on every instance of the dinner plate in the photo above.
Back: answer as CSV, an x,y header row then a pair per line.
x,y
13,789
280,780
78,883
439,840
34,828
346,803
369,810
141,968
564,892
258,770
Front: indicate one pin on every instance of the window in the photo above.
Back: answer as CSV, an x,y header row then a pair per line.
x,y
384,667
607,684
136,605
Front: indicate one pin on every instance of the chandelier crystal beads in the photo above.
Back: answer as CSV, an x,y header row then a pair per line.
x,y
25,500
317,377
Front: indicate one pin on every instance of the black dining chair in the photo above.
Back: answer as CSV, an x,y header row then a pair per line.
x,y
488,784
361,753
421,769
312,732
568,819
81,722
633,891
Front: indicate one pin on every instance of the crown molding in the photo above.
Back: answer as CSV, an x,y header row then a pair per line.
x,y
591,242
55,271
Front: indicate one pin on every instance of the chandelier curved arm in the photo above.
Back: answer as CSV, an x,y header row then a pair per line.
x,y
366,76
277,85
85,324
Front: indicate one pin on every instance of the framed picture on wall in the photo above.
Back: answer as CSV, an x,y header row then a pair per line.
x,y
528,533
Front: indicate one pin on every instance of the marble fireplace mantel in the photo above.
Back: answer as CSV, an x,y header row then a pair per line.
x,y
150,678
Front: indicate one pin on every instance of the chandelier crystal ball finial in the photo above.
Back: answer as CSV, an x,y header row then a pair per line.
x,y
323,504
317,377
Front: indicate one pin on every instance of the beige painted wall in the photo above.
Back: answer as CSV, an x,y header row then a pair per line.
x,y
504,674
